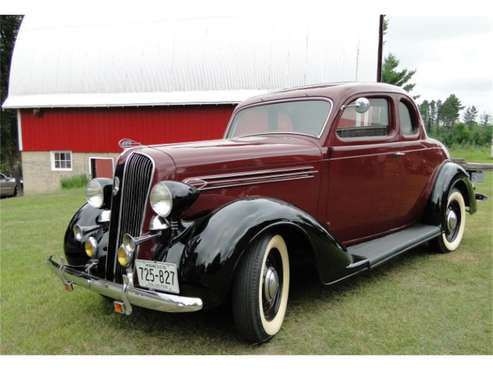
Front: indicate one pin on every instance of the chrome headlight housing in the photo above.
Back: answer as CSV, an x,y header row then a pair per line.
x,y
161,199
98,192
91,247
172,198
126,250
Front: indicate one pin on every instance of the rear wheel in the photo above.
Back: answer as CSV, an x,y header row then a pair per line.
x,y
261,288
455,223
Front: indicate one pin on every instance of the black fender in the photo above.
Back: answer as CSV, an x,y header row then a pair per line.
x,y
214,244
74,249
449,175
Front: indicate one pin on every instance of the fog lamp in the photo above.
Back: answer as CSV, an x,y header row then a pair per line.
x,y
126,250
91,246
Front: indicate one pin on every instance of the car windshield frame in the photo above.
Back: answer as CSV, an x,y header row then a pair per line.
x,y
228,134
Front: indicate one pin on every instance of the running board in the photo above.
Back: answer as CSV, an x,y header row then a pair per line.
x,y
377,251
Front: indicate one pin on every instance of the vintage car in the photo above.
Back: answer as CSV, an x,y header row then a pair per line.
x,y
341,176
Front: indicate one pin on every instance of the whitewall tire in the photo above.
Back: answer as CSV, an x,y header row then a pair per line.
x,y
455,223
261,289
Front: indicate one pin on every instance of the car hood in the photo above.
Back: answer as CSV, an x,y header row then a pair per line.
x,y
240,154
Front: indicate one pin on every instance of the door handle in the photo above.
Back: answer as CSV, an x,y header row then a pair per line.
x,y
398,154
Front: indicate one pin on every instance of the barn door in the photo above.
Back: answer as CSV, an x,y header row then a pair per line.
x,y
101,167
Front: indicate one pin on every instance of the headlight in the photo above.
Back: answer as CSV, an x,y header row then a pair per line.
x,y
161,199
172,198
98,192
91,246
94,193
126,250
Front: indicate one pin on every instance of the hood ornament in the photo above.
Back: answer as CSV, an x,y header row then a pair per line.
x,y
127,143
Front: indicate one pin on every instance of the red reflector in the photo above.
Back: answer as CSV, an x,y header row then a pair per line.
x,y
119,308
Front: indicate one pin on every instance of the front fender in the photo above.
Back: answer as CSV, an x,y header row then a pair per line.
x,y
215,243
74,250
449,175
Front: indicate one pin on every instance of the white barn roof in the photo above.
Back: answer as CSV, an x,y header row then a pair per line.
x,y
81,62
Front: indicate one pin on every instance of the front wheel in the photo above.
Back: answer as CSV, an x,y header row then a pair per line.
x,y
261,288
455,223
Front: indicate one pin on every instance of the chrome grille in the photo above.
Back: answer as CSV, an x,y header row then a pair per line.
x,y
135,186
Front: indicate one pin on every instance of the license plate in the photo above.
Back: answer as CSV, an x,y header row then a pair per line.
x,y
157,275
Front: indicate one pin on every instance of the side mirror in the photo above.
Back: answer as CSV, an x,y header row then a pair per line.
x,y
360,105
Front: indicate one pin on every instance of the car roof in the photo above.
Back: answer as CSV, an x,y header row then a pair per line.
x,y
329,90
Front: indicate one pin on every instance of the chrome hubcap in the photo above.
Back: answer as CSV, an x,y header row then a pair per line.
x,y
451,220
271,284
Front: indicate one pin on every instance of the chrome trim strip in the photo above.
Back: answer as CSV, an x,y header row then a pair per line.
x,y
152,300
250,178
259,172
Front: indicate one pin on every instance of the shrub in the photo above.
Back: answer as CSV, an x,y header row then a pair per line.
x,y
73,182
461,134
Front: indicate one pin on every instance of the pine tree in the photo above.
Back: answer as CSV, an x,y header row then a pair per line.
x,y
485,118
393,76
450,110
470,115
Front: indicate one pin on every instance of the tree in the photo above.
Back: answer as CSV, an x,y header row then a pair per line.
x,y
9,26
433,112
470,115
450,110
438,116
424,109
393,76
485,118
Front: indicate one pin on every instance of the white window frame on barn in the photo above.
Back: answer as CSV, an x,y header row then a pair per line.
x,y
54,161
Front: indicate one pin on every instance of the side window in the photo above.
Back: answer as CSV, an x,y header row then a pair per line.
x,y
61,161
374,122
409,124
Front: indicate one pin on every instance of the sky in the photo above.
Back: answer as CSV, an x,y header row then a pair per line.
x,y
449,54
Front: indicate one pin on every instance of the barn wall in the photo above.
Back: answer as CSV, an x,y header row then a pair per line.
x,y
98,130
39,177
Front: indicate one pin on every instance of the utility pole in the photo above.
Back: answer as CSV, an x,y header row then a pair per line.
x,y
380,48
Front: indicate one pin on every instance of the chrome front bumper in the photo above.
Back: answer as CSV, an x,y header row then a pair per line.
x,y
126,293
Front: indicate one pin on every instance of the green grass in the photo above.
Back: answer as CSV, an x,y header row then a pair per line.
x,y
420,303
74,182
472,153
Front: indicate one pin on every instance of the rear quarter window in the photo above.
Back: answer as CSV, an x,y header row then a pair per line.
x,y
408,120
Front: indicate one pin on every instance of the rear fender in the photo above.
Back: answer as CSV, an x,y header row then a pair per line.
x,y
450,175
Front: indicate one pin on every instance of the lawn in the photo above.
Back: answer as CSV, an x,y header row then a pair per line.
x,y
420,303
471,153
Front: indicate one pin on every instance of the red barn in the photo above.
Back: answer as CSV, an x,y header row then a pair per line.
x,y
81,85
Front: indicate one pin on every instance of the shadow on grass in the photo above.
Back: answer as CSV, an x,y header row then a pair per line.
x,y
217,325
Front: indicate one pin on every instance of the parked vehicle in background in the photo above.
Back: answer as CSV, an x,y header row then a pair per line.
x,y
8,186
342,176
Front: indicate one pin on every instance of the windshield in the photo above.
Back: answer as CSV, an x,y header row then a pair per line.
x,y
303,117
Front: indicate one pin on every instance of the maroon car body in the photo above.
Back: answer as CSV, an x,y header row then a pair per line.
x,y
348,192
336,175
